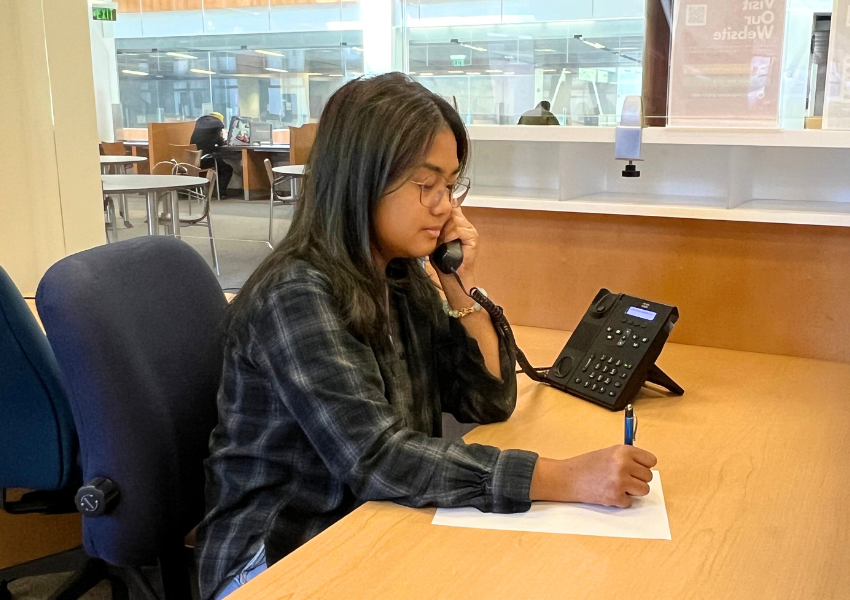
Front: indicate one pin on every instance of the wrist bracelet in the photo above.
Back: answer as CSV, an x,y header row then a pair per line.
x,y
459,314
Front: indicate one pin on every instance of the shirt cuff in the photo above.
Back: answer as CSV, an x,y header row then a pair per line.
x,y
512,481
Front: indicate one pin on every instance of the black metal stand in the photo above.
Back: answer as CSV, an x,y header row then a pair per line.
x,y
659,377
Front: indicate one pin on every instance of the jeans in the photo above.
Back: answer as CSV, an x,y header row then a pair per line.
x,y
254,567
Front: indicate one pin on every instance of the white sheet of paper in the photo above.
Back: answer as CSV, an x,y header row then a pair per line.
x,y
647,518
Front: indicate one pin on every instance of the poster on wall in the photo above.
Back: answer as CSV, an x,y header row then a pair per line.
x,y
725,68
836,102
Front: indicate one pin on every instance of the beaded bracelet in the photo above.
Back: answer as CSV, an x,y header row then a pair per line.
x,y
459,314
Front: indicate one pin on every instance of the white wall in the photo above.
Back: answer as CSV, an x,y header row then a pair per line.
x,y
50,200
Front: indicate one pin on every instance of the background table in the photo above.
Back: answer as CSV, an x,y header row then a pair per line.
x,y
151,186
254,176
754,461
295,172
106,162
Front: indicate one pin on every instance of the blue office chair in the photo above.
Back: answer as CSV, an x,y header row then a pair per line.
x,y
39,449
136,327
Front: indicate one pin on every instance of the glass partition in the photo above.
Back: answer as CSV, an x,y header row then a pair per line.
x,y
277,79
498,60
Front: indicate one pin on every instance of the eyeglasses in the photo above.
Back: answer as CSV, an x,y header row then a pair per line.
x,y
432,190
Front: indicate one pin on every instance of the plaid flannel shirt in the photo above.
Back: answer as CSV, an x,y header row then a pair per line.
x,y
313,422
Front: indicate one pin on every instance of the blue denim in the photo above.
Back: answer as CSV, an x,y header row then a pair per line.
x,y
254,567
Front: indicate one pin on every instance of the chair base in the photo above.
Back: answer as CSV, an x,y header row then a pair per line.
x,y
88,572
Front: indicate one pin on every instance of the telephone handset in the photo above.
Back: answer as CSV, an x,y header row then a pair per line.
x,y
448,257
608,357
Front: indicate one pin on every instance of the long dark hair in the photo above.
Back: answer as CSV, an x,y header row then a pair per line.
x,y
373,133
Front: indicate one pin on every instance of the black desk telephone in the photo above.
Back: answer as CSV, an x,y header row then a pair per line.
x,y
611,353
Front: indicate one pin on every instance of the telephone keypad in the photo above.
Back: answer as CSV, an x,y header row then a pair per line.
x,y
604,379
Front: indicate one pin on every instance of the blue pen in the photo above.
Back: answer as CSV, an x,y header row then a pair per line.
x,y
631,426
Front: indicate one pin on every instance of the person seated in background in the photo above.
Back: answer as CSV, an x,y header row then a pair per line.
x,y
207,136
539,115
340,356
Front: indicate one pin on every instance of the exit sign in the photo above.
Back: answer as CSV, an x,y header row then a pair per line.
x,y
458,60
104,13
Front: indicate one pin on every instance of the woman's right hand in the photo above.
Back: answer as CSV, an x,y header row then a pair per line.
x,y
610,476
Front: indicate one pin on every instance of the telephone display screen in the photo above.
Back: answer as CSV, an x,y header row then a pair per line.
x,y
640,313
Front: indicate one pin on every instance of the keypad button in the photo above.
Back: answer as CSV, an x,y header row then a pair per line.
x,y
601,389
636,345
610,359
612,393
610,329
600,378
593,374
593,387
610,337
628,365
644,340
616,384
607,380
643,325
597,366
624,319
578,379
618,363
618,332
586,384
604,368
634,337
622,375
603,357
614,371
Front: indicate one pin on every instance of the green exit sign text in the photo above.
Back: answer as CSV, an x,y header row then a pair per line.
x,y
104,14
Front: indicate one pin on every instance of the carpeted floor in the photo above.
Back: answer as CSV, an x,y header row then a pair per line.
x,y
241,230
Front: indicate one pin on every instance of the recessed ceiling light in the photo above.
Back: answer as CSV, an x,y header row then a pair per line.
x,y
456,72
426,74
494,70
276,70
269,52
181,55
543,50
129,72
473,73
202,71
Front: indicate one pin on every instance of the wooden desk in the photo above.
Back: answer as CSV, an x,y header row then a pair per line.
x,y
255,180
754,460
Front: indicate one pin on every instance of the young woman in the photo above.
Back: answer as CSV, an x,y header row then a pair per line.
x,y
341,356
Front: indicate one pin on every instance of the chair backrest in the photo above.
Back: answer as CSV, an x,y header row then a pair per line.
x,y
165,167
137,331
113,149
269,171
176,151
192,157
39,441
301,142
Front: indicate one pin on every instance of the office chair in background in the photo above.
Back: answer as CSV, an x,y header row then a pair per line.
x,y
136,328
40,450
